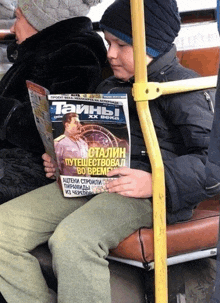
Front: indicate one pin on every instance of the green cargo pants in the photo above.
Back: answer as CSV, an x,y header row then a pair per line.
x,y
82,233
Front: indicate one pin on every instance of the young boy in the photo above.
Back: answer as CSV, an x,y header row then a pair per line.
x,y
92,225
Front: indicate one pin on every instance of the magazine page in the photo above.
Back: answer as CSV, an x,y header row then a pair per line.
x,y
91,137
40,107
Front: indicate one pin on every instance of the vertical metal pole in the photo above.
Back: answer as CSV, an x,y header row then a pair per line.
x,y
139,92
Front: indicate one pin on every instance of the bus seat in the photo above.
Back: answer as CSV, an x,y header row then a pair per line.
x,y
210,204
5,38
5,35
204,61
198,40
199,233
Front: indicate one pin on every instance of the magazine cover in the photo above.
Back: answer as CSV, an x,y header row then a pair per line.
x,y
90,136
40,107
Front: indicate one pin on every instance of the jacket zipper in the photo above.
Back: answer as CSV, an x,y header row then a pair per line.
x,y
209,101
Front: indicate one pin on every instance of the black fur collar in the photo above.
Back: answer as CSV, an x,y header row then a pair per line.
x,y
48,38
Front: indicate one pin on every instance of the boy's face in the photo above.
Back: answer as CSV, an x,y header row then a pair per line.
x,y
22,28
120,57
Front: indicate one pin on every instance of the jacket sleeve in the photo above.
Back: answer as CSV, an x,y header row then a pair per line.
x,y
185,175
18,126
66,71
213,160
8,106
72,69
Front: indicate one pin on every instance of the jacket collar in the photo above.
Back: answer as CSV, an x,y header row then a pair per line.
x,y
160,65
50,36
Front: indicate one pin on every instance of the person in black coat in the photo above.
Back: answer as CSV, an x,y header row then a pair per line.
x,y
54,50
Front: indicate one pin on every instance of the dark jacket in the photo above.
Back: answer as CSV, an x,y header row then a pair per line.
x,y
65,58
213,160
182,123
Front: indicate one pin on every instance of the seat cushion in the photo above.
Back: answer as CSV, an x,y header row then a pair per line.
x,y
201,232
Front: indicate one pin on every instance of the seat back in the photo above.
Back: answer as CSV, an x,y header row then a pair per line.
x,y
199,233
204,61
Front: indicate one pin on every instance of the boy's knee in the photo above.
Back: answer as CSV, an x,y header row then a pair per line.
x,y
60,238
66,240
7,228
6,218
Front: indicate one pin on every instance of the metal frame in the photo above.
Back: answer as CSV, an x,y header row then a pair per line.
x,y
171,260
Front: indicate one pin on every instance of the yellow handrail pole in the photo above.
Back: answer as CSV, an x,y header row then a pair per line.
x,y
140,89
156,89
187,85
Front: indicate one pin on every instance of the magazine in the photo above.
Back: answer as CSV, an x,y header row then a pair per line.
x,y
86,134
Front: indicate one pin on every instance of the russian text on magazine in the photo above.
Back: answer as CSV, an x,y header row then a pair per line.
x,y
90,136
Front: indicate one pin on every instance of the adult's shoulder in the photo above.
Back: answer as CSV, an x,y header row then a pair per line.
x,y
68,35
79,31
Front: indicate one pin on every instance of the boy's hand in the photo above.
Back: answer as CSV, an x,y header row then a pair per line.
x,y
131,183
49,166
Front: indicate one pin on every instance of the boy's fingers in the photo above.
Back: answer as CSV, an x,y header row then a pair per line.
x,y
118,171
